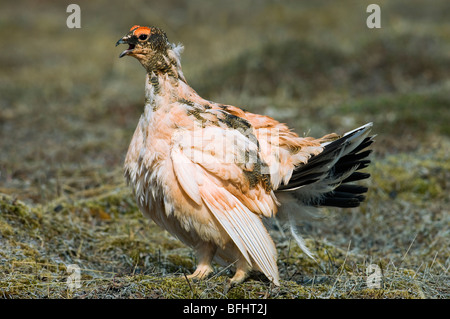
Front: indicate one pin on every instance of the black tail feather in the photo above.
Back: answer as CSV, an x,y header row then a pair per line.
x,y
327,174
356,176
349,195
342,202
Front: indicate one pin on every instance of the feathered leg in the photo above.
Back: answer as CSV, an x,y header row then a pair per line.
x,y
242,269
205,254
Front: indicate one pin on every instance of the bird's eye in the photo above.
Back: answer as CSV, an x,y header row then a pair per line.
x,y
143,37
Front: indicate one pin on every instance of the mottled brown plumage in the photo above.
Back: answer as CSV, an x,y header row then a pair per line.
x,y
210,173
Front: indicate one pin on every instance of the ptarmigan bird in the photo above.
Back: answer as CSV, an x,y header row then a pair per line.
x,y
211,174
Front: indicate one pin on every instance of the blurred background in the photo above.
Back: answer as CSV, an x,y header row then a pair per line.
x,y
69,105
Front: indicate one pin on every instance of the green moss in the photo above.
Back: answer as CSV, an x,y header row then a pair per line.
x,y
411,177
407,114
6,230
16,211
184,262
381,294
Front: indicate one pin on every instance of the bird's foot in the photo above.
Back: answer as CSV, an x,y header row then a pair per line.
x,y
201,272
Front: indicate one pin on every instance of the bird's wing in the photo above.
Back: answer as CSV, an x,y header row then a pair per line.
x,y
281,149
214,166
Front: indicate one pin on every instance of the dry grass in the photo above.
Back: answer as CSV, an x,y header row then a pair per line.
x,y
68,107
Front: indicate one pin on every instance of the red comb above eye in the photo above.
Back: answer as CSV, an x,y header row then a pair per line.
x,y
135,27
141,30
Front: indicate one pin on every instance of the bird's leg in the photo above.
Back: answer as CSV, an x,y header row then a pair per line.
x,y
205,254
242,269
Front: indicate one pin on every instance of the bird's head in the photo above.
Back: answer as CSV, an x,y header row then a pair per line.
x,y
151,47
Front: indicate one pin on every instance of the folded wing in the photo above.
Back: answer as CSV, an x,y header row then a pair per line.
x,y
213,168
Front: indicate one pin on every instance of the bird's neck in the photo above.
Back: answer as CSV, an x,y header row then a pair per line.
x,y
165,88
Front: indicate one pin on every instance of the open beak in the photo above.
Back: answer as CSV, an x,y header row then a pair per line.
x,y
127,51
